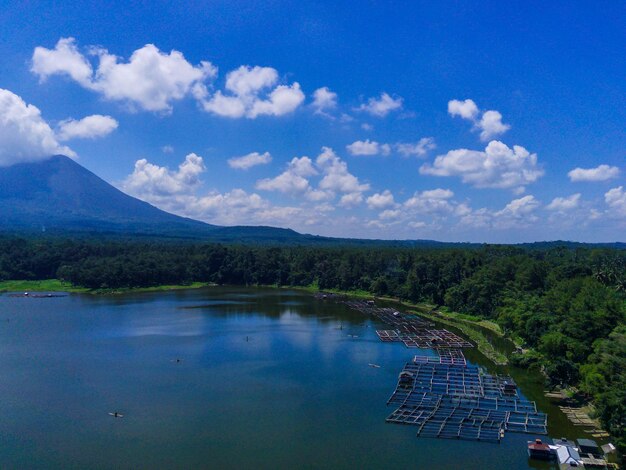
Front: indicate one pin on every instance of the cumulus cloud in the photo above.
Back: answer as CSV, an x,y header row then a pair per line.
x,y
518,213
466,109
167,149
435,205
89,127
150,79
324,100
433,201
337,178
497,167
293,180
368,147
177,192
251,92
333,174
490,123
417,149
616,200
248,161
64,59
24,135
563,204
521,207
382,106
149,181
351,200
381,200
599,173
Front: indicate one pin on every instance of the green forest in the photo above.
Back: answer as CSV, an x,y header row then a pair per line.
x,y
566,305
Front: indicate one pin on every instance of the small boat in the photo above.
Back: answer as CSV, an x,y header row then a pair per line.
x,y
538,450
374,365
115,414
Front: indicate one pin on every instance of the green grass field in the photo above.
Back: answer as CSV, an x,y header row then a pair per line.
x,y
55,285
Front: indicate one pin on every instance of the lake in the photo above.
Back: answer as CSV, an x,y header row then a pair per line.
x,y
214,378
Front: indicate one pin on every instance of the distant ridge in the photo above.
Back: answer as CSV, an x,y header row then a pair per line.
x,y
62,198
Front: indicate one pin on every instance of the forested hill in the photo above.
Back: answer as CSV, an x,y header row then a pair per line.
x,y
566,304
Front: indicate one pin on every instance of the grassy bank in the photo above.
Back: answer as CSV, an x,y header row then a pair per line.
x,y
46,285
483,345
55,285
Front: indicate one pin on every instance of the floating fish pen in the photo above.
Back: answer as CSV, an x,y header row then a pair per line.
x,y
461,402
444,356
390,316
424,338
413,331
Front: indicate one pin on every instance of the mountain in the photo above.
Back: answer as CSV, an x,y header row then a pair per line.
x,y
61,197
60,194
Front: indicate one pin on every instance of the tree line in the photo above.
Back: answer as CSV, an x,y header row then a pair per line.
x,y
565,304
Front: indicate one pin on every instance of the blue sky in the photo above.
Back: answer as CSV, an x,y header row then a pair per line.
x,y
459,121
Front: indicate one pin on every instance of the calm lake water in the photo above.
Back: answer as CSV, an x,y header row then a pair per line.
x,y
267,378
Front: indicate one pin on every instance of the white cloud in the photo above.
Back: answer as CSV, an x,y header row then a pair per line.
x,y
334,178
351,200
293,180
367,147
434,201
490,124
324,100
381,200
466,109
63,59
497,167
599,173
521,207
337,178
417,149
562,204
175,191
282,100
249,160
519,213
151,79
24,135
616,200
382,106
167,149
89,127
245,86
149,181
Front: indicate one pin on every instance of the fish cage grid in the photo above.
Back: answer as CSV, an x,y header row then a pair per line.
x,y
449,356
461,402
424,338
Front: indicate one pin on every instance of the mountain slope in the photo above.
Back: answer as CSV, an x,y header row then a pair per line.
x,y
58,193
